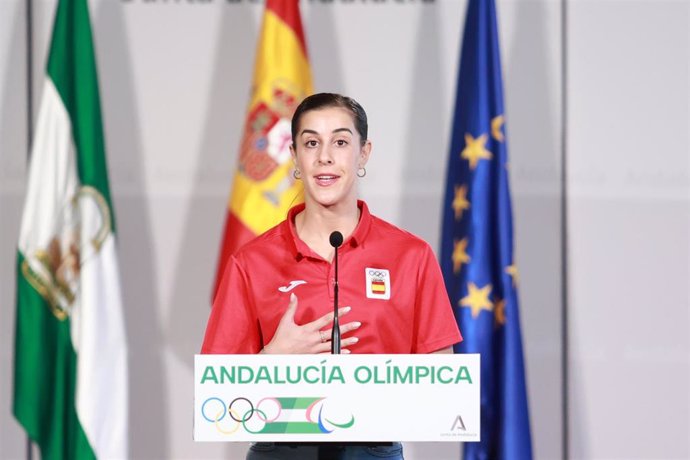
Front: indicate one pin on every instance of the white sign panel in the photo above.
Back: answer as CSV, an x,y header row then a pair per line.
x,y
323,398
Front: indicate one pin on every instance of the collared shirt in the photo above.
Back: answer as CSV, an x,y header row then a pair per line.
x,y
389,277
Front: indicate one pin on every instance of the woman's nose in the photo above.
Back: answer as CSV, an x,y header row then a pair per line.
x,y
325,157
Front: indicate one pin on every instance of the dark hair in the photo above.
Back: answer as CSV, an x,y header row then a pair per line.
x,y
325,100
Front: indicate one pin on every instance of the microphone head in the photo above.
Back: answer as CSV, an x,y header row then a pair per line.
x,y
336,239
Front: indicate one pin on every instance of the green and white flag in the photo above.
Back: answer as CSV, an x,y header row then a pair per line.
x,y
70,376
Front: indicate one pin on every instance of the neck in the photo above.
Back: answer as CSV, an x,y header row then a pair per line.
x,y
315,224
319,221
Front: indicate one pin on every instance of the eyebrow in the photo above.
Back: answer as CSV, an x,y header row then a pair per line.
x,y
338,130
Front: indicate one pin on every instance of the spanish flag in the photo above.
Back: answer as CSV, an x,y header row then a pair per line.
x,y
378,287
264,188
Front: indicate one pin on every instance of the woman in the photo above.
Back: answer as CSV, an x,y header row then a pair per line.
x,y
276,295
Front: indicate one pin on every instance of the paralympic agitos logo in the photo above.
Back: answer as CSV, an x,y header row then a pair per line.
x,y
275,415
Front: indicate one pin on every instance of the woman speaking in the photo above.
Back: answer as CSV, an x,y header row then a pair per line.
x,y
277,291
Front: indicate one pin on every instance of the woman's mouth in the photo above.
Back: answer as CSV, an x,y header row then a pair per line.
x,y
325,180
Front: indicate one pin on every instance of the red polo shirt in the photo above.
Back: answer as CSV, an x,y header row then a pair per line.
x,y
388,276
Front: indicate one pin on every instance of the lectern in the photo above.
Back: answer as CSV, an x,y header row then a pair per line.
x,y
343,398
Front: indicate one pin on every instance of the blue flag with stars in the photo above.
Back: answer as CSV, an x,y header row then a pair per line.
x,y
477,243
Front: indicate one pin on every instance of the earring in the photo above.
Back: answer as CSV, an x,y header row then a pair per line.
x,y
296,174
361,172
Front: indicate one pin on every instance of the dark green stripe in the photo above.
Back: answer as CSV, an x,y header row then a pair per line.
x,y
291,427
45,377
72,68
296,403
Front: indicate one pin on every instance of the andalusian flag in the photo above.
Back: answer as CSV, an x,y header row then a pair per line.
x,y
70,376
264,189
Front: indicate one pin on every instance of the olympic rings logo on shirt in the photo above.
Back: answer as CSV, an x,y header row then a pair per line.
x,y
378,274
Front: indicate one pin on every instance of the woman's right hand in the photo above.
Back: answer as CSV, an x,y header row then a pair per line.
x,y
310,338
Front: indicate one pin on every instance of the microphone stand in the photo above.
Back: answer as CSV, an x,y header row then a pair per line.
x,y
336,240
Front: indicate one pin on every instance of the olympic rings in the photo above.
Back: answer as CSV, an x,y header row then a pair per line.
x,y
249,415
203,410
250,411
263,410
378,274
280,409
229,410
230,431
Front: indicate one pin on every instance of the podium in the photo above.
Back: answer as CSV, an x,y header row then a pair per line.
x,y
337,398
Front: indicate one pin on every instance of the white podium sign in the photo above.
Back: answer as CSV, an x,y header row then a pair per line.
x,y
346,398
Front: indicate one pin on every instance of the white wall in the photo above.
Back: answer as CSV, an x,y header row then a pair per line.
x,y
629,232
175,79
13,146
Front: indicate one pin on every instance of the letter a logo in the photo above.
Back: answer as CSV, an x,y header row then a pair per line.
x,y
458,424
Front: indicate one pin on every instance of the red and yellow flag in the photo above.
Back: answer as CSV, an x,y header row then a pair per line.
x,y
264,189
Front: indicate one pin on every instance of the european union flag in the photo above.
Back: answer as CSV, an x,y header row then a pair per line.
x,y
477,245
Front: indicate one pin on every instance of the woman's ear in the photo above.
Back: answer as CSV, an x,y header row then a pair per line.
x,y
364,153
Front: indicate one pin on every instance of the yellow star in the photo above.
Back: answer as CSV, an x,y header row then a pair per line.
x,y
496,125
500,312
460,202
512,270
477,299
475,150
460,255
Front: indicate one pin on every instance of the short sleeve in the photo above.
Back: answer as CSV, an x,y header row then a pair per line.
x,y
435,325
232,327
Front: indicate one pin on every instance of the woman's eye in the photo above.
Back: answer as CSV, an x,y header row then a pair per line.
x,y
341,142
311,143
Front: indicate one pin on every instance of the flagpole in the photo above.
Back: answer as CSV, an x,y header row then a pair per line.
x,y
29,76
29,123
565,407
29,448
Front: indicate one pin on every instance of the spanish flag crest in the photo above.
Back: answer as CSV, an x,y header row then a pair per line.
x,y
263,188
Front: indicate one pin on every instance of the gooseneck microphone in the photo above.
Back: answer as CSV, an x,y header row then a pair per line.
x,y
336,239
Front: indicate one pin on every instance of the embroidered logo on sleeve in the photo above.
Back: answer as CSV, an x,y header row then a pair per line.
x,y
378,282
291,286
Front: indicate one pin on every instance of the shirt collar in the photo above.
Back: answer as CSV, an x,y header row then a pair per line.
x,y
300,249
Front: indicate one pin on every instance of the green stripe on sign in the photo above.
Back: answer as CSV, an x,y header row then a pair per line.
x,y
296,403
291,427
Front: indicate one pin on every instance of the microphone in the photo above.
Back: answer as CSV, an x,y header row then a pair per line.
x,y
336,239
